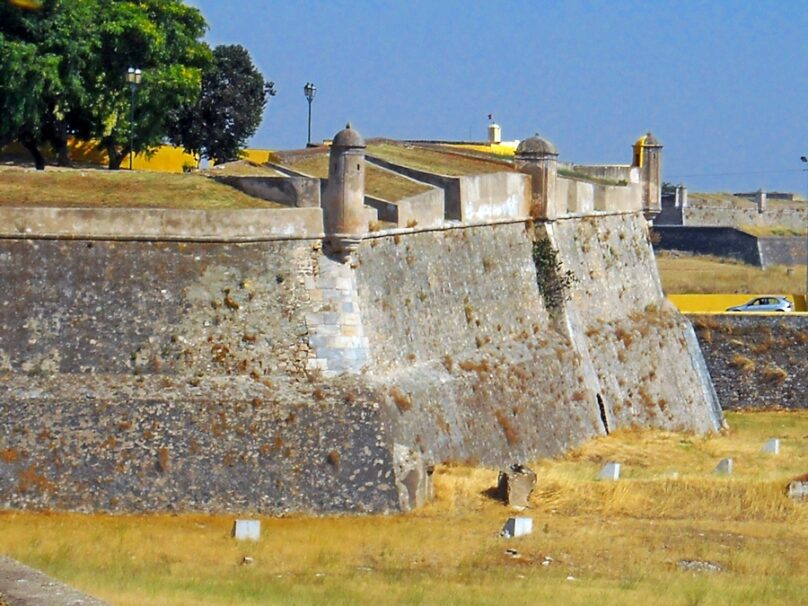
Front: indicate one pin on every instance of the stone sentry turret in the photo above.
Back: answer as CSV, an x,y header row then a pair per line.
x,y
538,158
648,157
344,197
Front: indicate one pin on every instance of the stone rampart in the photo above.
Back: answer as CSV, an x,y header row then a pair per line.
x,y
649,368
733,243
783,251
756,361
774,216
161,223
718,241
271,376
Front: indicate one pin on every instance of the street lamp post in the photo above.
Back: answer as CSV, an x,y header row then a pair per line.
x,y
309,90
133,77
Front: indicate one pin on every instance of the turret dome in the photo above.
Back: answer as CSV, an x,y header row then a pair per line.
x,y
536,146
348,137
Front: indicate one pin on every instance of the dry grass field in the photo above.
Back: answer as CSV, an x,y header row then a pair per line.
x,y
94,188
682,274
605,543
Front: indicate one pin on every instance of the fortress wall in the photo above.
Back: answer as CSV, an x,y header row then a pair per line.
x,y
472,365
582,198
166,308
756,361
783,251
161,223
142,376
650,369
187,375
719,241
774,216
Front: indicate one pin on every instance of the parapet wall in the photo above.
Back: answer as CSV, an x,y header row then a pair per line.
x,y
161,223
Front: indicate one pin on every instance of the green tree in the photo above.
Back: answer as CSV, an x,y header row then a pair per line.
x,y
229,110
41,65
63,67
161,37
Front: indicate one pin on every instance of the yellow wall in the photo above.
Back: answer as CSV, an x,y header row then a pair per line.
x,y
720,303
500,149
166,158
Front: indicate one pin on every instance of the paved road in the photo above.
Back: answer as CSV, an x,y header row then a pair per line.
x,y
24,586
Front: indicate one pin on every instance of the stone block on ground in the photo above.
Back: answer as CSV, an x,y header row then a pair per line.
x,y
771,447
247,530
610,471
724,467
517,527
798,488
515,485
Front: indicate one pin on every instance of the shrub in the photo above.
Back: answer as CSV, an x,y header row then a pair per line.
x,y
553,282
774,374
742,362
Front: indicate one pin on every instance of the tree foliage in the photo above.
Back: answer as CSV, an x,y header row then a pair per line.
x,y
42,61
63,67
229,109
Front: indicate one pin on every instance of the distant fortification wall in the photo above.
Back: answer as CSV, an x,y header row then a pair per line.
x,y
756,361
774,216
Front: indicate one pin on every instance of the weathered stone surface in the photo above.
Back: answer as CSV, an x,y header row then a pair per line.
x,y
756,361
515,485
179,376
648,366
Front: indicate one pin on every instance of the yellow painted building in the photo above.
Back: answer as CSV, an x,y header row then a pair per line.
x,y
166,158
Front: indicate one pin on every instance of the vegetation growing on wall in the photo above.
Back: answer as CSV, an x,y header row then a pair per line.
x,y
553,281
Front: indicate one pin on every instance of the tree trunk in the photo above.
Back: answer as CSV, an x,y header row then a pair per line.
x,y
29,144
62,157
58,141
115,157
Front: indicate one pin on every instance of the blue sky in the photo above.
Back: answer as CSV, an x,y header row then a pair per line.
x,y
723,85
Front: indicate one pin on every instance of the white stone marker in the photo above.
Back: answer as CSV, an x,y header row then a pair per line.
x,y
798,490
610,471
517,527
724,467
247,530
771,447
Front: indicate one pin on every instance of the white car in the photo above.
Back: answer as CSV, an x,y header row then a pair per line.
x,y
768,303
